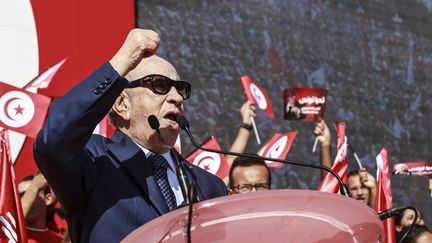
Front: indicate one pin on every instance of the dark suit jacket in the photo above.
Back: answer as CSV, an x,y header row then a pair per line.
x,y
106,186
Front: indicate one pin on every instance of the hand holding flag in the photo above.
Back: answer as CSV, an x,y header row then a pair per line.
x,y
329,183
256,95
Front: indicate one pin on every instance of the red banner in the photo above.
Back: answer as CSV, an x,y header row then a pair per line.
x,y
384,198
340,166
277,147
22,111
256,95
413,168
212,162
304,104
11,215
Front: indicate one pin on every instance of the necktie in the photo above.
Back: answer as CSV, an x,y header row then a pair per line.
x,y
160,166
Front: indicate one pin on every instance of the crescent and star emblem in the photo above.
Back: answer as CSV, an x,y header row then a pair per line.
x,y
258,96
16,109
208,161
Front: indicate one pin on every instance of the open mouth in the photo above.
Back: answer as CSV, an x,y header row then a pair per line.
x,y
172,116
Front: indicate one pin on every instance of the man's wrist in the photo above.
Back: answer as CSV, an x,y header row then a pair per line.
x,y
246,126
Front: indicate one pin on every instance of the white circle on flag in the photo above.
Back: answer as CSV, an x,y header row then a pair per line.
x,y
277,148
208,161
259,96
16,109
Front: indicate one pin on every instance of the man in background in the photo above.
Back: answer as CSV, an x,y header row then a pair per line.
x,y
249,175
38,201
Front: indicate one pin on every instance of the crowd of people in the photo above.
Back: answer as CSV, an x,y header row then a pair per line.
x,y
371,56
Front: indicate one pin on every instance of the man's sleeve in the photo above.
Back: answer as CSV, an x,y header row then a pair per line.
x,y
59,149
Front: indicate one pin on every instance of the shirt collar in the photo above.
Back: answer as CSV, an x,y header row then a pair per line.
x,y
166,155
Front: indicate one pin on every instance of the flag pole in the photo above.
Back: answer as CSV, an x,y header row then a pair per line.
x,y
315,145
255,131
355,156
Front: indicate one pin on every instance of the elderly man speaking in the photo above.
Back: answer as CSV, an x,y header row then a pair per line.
x,y
109,187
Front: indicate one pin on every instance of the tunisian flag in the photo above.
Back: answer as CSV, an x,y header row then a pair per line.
x,y
257,95
340,166
384,198
22,111
277,147
212,162
11,215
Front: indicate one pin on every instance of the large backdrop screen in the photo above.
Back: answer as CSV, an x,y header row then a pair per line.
x,y
374,57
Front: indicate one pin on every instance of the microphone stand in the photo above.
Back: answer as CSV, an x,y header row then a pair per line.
x,y
184,125
192,192
181,175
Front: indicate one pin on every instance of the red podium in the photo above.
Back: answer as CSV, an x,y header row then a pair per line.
x,y
272,216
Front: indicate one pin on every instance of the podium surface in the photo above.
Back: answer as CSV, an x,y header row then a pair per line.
x,y
271,216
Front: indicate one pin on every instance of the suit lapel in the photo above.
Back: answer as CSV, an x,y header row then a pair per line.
x,y
138,169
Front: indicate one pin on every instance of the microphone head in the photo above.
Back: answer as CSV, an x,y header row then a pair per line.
x,y
183,122
153,122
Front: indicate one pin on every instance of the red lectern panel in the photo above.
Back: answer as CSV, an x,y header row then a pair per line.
x,y
272,216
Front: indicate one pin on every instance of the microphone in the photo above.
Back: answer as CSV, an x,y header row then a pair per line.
x,y
391,212
181,176
154,124
184,125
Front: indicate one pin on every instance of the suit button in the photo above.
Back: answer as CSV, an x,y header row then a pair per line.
x,y
97,91
102,85
107,81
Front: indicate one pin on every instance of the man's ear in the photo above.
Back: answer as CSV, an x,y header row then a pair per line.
x,y
122,106
49,199
398,228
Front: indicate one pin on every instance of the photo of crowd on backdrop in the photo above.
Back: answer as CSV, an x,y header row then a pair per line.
x,y
188,126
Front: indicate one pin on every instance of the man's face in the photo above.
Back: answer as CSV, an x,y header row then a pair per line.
x,y
43,199
254,175
358,190
408,218
145,102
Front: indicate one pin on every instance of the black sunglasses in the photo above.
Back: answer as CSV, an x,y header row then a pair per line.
x,y
162,85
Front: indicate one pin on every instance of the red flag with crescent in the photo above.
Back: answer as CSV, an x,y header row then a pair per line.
x,y
340,166
277,147
11,216
212,162
384,197
256,95
22,111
